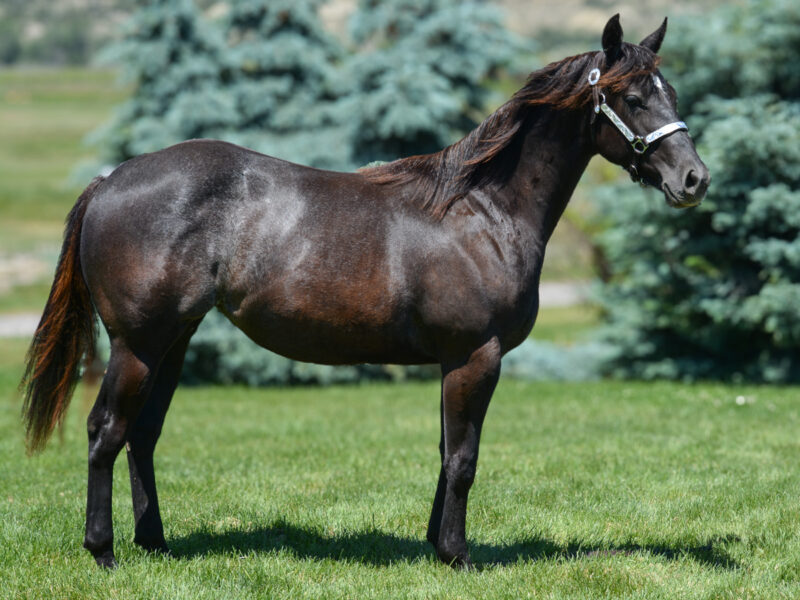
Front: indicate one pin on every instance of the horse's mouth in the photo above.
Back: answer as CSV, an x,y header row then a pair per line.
x,y
679,200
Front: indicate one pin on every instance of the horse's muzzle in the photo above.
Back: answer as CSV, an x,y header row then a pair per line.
x,y
694,187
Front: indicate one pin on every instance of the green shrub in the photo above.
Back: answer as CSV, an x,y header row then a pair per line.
x,y
267,75
535,360
418,75
711,292
284,81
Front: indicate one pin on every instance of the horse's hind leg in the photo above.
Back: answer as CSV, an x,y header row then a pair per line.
x,y
466,392
124,390
141,442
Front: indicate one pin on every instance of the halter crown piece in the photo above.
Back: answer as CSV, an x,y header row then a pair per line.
x,y
638,143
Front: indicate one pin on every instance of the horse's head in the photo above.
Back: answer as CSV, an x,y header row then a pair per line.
x,y
636,123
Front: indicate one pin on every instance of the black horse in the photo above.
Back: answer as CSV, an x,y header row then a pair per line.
x,y
428,259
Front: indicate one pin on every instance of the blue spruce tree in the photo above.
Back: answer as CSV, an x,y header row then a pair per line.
x,y
175,63
418,81
285,80
713,292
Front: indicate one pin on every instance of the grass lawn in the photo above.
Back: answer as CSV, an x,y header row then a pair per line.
x,y
605,490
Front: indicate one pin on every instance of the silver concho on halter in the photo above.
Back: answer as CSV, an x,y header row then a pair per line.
x,y
638,143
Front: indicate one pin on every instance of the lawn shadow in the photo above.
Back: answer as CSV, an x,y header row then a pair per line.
x,y
378,548
713,553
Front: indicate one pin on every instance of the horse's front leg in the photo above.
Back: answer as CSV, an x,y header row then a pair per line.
x,y
466,391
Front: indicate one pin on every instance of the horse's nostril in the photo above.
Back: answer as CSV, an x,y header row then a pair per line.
x,y
691,181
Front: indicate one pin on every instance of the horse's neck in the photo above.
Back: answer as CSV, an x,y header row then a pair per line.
x,y
555,152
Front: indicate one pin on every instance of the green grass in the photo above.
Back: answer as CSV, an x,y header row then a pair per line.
x,y
606,490
25,298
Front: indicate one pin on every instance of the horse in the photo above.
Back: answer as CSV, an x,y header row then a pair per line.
x,y
427,259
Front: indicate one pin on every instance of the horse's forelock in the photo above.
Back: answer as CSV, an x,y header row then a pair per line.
x,y
563,84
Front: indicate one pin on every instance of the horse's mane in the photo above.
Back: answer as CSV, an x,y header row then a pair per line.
x,y
439,180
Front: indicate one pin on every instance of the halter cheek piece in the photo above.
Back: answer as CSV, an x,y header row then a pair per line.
x,y
638,143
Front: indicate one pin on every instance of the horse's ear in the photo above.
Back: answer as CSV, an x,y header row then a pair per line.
x,y
653,41
612,39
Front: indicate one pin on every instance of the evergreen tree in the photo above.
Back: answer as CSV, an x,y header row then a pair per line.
x,y
175,63
714,291
418,80
285,81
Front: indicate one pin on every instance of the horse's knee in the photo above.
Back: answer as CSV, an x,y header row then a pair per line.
x,y
460,470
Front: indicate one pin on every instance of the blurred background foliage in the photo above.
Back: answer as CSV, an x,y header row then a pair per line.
x,y
410,78
419,74
703,293
713,292
176,63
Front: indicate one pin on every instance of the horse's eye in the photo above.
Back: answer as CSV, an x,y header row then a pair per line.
x,y
634,101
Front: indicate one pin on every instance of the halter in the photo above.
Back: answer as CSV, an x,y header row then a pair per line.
x,y
638,143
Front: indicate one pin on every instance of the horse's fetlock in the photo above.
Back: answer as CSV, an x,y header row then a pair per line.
x,y
99,543
455,555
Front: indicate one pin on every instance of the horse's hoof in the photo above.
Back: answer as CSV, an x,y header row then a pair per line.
x,y
103,553
457,560
162,550
106,560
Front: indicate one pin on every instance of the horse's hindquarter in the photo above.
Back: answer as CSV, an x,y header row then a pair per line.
x,y
154,235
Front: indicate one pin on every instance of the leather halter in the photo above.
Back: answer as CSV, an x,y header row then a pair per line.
x,y
639,143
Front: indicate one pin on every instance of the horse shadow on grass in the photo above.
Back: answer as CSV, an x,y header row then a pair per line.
x,y
378,548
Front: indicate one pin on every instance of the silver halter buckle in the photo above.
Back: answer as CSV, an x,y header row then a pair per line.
x,y
639,146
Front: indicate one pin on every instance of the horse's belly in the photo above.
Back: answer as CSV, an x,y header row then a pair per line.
x,y
329,329
333,343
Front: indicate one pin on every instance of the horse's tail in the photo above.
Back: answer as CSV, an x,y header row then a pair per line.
x,y
66,332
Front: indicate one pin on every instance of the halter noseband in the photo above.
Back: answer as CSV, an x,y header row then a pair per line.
x,y
638,143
